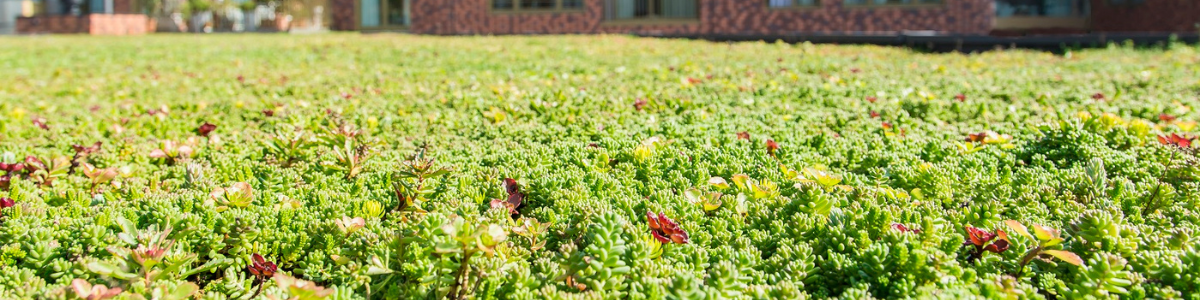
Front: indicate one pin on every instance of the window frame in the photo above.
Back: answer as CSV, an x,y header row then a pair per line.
x,y
869,5
383,25
1126,3
651,19
516,8
1079,9
794,6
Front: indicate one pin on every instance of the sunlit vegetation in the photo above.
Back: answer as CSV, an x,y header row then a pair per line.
x,y
593,167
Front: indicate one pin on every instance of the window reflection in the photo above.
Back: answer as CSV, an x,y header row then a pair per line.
x,y
1041,8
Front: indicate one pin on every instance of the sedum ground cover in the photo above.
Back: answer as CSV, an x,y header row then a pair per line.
x,y
598,167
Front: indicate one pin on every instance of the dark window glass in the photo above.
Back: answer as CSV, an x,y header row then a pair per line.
x,y
397,12
642,7
537,4
572,4
790,3
502,4
890,2
1043,8
650,9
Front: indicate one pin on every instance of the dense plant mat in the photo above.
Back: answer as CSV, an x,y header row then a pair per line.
x,y
602,167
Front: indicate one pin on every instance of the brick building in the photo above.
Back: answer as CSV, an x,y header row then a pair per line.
x,y
766,17
106,17
683,17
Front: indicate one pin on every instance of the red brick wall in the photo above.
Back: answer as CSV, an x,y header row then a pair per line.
x,y
100,24
1151,16
52,24
753,17
127,24
716,17
345,15
474,17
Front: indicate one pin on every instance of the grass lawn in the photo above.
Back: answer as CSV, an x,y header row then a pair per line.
x,y
383,166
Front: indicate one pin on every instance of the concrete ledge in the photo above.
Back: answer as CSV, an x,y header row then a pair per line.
x,y
961,43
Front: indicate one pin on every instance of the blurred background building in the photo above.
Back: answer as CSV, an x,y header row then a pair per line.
x,y
121,17
651,17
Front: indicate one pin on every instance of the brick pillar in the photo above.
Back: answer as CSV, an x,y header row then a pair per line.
x,y
123,7
977,16
345,15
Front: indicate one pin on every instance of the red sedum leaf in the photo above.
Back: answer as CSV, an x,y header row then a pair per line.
x,y
1068,257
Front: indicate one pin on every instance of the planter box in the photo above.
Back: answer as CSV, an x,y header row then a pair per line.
x,y
282,22
248,21
201,21
96,24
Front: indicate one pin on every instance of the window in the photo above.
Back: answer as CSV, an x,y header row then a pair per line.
x,y
650,9
397,12
384,13
503,4
1043,8
890,2
1126,2
99,7
370,13
572,4
791,3
536,5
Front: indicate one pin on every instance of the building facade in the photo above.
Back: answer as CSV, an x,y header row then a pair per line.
x,y
647,17
766,17
1147,16
100,17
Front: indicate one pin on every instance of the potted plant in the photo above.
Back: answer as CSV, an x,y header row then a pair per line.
x,y
283,18
249,20
201,15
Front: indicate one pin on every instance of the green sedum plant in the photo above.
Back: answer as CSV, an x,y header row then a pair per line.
x,y
1045,239
592,167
